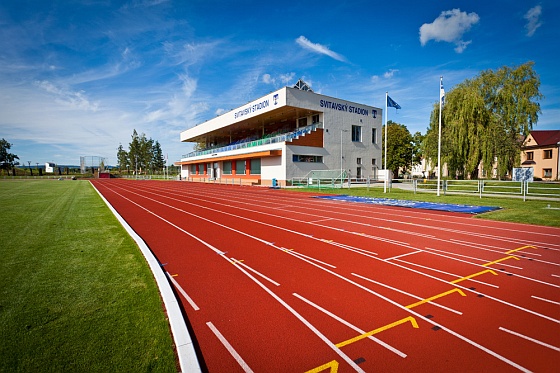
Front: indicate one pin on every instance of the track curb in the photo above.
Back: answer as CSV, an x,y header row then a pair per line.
x,y
188,360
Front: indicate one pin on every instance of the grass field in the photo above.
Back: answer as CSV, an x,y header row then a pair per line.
x,y
512,209
75,292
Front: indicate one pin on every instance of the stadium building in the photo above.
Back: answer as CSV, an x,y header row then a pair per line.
x,y
289,134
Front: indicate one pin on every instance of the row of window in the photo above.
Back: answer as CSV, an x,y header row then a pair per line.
x,y
357,134
547,154
254,167
319,159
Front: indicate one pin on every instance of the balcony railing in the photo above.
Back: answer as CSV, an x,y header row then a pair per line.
x,y
264,141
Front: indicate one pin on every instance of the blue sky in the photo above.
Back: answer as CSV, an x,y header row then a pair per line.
x,y
77,77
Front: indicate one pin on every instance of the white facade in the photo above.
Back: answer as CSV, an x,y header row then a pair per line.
x,y
285,134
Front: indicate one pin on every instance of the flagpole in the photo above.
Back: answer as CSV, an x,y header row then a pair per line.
x,y
439,137
385,166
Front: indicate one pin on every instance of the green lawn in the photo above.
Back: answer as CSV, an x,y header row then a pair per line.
x,y
75,292
512,209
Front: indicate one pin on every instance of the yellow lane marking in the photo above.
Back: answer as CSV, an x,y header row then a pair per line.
x,y
333,365
436,296
378,330
286,250
175,275
500,260
521,248
473,275
235,261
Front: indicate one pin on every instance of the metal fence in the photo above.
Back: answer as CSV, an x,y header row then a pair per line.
x,y
524,189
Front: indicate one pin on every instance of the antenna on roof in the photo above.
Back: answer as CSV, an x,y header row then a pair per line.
x,y
303,86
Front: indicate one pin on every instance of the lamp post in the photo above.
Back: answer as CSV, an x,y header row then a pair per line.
x,y
341,157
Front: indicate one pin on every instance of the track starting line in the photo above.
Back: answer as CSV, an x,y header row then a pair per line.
x,y
413,204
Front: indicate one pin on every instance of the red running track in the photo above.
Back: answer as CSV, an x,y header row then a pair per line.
x,y
277,281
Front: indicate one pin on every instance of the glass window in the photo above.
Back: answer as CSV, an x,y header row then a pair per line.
x,y
547,172
255,166
240,167
357,133
374,135
302,122
193,168
373,161
547,154
307,158
315,118
529,156
359,161
227,168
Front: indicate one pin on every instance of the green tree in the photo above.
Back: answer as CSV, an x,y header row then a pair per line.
x,y
483,119
158,162
399,147
122,158
7,159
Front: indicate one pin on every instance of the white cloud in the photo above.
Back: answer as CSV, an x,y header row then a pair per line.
x,y
284,79
318,48
450,27
389,74
74,99
533,20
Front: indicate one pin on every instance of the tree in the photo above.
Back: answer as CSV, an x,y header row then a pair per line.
x,y
158,162
7,159
122,158
399,147
483,119
144,154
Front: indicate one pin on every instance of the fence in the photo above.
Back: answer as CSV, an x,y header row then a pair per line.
x,y
523,189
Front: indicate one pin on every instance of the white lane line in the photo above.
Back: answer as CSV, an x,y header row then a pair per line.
x,y
276,297
546,300
310,258
229,347
255,271
183,292
320,220
400,256
480,265
405,293
470,257
555,275
309,236
447,273
530,339
351,326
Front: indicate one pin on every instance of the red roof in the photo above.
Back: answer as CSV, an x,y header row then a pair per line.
x,y
544,138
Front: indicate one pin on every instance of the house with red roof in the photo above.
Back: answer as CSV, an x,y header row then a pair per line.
x,y
541,151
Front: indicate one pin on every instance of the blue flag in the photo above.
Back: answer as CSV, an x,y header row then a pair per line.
x,y
392,103
441,92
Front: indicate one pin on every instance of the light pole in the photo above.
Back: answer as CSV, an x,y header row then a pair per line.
x,y
341,157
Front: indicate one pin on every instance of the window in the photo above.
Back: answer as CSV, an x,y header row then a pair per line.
x,y
307,158
255,166
227,168
302,122
547,154
374,135
547,172
529,156
359,160
374,161
193,169
315,118
357,133
240,167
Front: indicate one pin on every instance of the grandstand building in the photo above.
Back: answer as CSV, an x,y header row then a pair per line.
x,y
287,134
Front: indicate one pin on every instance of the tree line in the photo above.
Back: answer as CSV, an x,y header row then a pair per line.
x,y
484,121
143,155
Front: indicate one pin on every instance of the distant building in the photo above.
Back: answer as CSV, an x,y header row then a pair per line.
x,y
49,167
286,134
541,151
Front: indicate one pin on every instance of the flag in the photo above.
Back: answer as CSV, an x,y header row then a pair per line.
x,y
441,91
392,103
